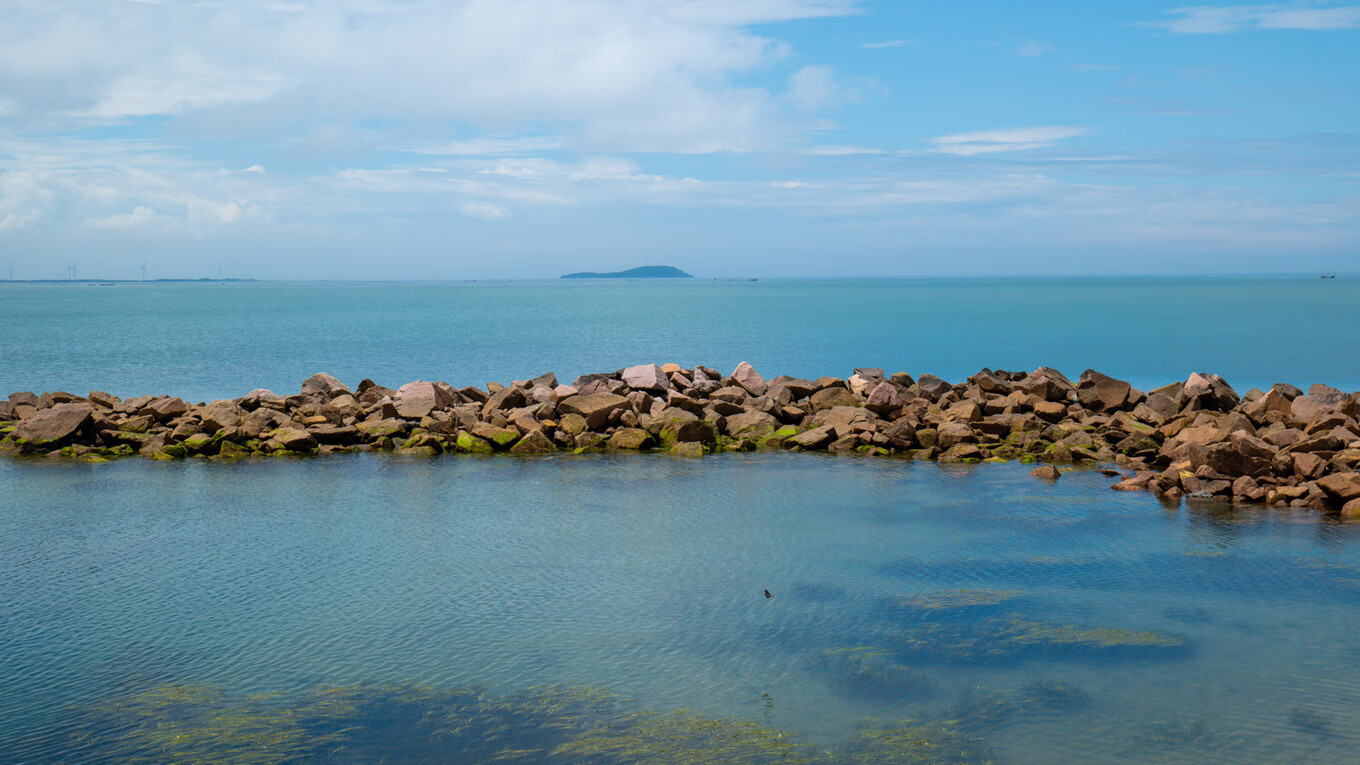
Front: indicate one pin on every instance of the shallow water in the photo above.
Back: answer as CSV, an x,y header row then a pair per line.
x,y
1054,623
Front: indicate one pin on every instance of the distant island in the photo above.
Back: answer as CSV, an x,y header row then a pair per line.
x,y
645,272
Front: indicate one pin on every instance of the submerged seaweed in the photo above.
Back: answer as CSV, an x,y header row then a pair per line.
x,y
869,672
984,709
1012,638
415,723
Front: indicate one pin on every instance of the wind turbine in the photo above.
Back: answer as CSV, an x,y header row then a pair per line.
x,y
142,268
70,272
11,272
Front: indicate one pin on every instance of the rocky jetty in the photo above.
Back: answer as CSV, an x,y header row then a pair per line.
x,y
1196,439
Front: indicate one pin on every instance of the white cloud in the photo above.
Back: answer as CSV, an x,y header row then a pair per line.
x,y
841,151
1011,139
645,75
138,218
1222,19
483,210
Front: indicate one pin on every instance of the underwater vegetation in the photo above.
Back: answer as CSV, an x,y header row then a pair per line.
x,y
869,672
1310,721
416,723
1174,733
955,599
981,709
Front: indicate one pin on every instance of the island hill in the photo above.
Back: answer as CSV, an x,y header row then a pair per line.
x,y
1196,438
644,272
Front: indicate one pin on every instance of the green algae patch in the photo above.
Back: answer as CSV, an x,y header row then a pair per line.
x,y
420,723
470,444
1028,632
1012,638
950,599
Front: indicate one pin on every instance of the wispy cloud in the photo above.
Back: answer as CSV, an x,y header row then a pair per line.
x,y
1010,139
1222,19
1032,49
888,44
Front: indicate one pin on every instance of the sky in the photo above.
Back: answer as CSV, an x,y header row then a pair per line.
x,y
524,139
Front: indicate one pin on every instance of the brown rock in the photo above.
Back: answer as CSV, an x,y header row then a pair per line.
x,y
884,398
747,377
1052,411
417,399
1307,466
334,434
631,438
1102,393
535,442
1341,487
646,377
1049,472
817,438
55,426
932,387
594,407
1242,454
756,425
1351,509
951,434
165,408
1211,392
324,386
294,439
827,398
1304,408
797,387
1047,384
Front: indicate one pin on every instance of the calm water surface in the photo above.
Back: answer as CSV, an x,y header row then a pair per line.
x,y
207,341
146,606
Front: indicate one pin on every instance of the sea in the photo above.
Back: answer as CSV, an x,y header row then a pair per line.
x,y
756,607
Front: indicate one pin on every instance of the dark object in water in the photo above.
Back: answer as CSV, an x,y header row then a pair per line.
x,y
768,595
1332,276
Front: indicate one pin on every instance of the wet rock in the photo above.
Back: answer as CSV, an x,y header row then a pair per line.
x,y
1049,472
500,438
335,434
467,443
817,438
294,439
55,426
961,453
536,442
631,439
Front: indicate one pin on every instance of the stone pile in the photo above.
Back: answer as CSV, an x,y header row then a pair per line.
x,y
1198,439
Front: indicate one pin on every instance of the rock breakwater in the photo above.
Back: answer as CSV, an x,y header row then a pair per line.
x,y
1197,439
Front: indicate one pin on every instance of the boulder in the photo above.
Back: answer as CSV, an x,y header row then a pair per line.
x,y
1242,454
1341,488
953,433
165,408
104,400
594,407
1048,384
817,438
827,398
747,377
1272,406
501,438
884,398
1208,392
417,399
221,414
646,377
536,442
631,438
324,386
55,426
294,439
385,428
932,387
1304,408
797,387
1102,393
334,434
1048,472
756,425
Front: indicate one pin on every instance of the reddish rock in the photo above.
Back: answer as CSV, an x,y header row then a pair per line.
x,y
165,408
827,398
1051,411
747,377
646,377
1047,384
951,434
1351,509
324,386
1341,487
817,438
932,387
55,426
595,407
294,439
417,399
1102,393
1049,472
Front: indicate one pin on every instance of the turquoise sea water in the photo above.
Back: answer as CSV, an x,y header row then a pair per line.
x,y
373,608
206,341
1046,623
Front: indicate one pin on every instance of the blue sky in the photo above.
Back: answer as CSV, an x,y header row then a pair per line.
x,y
408,139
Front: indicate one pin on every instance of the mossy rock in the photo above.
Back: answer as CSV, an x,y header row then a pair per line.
x,y
470,444
417,451
687,449
631,439
199,443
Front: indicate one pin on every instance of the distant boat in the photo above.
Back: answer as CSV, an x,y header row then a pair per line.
x,y
1332,276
